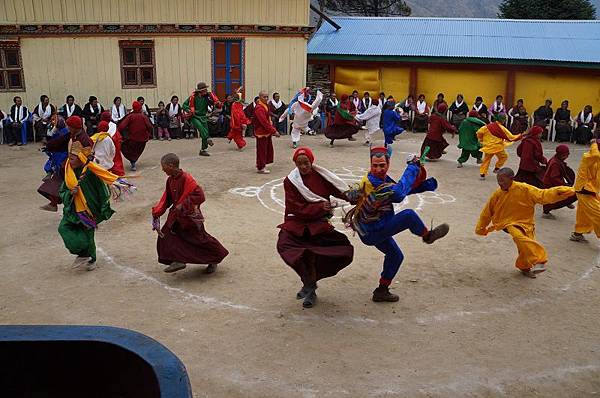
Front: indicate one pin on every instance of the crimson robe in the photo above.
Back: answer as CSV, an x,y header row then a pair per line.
x,y
185,240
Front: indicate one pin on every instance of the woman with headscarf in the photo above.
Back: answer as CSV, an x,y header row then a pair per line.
x,y
558,173
459,110
532,165
344,125
307,242
421,115
438,125
519,118
54,166
139,130
563,128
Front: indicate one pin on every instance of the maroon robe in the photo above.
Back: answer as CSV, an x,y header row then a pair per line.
x,y
185,240
435,140
559,174
531,167
342,128
306,232
139,130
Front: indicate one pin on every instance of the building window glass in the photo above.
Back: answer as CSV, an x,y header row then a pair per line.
x,y
138,68
11,67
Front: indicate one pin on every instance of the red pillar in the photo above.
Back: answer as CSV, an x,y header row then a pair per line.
x,y
412,81
510,89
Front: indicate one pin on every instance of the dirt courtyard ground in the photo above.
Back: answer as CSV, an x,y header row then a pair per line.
x,y
467,323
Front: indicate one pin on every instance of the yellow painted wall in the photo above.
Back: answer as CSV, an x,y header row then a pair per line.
x,y
262,12
395,81
469,83
579,89
348,79
90,66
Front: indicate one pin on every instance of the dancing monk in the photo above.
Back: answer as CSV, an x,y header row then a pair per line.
x,y
494,139
511,209
587,187
183,238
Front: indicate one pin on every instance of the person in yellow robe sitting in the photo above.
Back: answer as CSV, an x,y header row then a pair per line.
x,y
511,208
587,188
494,138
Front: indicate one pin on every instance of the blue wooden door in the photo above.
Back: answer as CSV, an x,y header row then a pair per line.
x,y
227,67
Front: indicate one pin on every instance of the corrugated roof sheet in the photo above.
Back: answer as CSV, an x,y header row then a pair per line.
x,y
563,41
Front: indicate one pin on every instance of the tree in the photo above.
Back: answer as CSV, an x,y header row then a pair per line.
x,y
368,8
547,9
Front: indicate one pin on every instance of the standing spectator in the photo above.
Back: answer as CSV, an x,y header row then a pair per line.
x,y
563,128
162,122
42,114
330,108
585,126
17,120
174,113
277,108
70,108
354,102
91,113
263,131
117,111
459,110
249,112
365,103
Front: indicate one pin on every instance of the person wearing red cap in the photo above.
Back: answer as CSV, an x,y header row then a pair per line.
x,y
76,133
104,147
375,221
344,125
183,239
558,173
263,131
533,163
438,125
467,138
587,188
117,139
139,130
307,242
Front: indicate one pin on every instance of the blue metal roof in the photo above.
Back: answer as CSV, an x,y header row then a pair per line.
x,y
506,39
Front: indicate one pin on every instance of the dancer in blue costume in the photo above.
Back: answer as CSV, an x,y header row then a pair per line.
x,y
374,218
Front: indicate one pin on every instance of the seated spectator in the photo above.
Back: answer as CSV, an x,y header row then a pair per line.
x,y
563,126
481,109
519,118
407,106
17,123
42,114
422,111
543,116
497,107
585,126
91,112
459,110
117,111
440,100
174,112
70,108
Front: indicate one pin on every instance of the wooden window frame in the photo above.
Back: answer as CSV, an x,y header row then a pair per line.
x,y
4,70
242,41
138,66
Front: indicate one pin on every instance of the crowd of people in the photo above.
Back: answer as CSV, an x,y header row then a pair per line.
x,y
85,168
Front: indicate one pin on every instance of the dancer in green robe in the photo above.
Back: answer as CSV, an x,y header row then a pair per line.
x,y
197,104
467,138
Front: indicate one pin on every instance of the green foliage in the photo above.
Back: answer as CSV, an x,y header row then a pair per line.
x,y
547,9
369,8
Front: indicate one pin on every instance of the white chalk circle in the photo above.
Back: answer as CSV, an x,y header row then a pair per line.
x,y
272,197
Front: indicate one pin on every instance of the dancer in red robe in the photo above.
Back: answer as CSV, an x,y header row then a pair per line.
x,y
308,243
533,163
238,123
183,238
139,130
263,131
558,173
438,125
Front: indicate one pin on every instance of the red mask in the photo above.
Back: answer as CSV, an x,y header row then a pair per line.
x,y
379,166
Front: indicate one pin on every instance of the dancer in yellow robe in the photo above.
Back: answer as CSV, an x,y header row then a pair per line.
x,y
494,138
511,209
587,188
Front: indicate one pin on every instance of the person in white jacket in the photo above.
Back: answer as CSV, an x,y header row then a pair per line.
x,y
303,113
104,147
371,117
